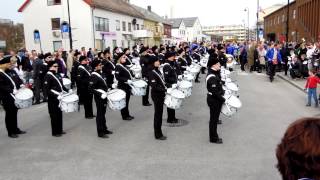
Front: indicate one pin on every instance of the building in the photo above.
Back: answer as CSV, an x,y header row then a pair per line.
x,y
158,28
227,32
304,22
187,29
94,23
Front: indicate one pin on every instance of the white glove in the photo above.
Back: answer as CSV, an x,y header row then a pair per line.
x,y
113,72
114,86
22,86
15,91
169,90
174,86
129,81
103,96
70,91
188,68
180,77
59,97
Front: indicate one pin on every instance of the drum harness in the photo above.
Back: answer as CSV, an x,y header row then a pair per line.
x,y
55,92
12,82
81,67
208,77
161,78
99,76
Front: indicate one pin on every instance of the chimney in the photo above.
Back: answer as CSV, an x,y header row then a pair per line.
x,y
149,8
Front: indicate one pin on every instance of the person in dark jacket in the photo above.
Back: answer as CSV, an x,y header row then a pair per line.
x,y
108,68
215,98
54,86
74,69
158,93
196,57
243,57
124,77
161,55
183,63
43,71
98,86
171,77
38,62
146,68
83,77
256,64
9,84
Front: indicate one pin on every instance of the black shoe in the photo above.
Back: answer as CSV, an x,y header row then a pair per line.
x,y
197,81
219,122
108,132
173,121
35,103
131,117
63,132
217,141
13,136
21,132
103,136
127,119
148,104
162,138
57,135
90,117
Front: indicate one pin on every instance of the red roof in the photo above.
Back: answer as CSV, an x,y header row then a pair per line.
x,y
89,2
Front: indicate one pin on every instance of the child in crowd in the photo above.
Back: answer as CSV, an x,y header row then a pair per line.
x,y
311,86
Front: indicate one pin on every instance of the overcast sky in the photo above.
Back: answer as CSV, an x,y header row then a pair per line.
x,y
210,12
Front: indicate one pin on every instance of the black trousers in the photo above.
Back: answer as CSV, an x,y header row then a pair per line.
x,y
272,70
215,109
86,99
37,89
158,100
197,77
242,63
171,115
11,119
257,66
203,70
125,111
101,115
145,99
44,92
56,116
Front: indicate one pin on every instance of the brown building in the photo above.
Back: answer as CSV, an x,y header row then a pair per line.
x,y
304,22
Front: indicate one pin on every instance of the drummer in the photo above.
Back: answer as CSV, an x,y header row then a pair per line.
x,y
215,98
83,77
146,67
10,82
54,88
170,70
158,92
99,88
124,77
182,61
108,67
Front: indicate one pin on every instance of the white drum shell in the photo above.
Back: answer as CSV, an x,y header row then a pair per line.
x,y
116,99
24,98
172,102
139,88
185,87
69,103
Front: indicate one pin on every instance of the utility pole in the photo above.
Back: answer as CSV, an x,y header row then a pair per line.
x,y
70,31
258,10
287,28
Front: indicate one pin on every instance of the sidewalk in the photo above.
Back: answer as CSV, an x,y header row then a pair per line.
x,y
298,83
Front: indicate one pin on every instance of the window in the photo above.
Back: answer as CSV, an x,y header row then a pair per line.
x,y
138,27
142,27
294,14
55,23
122,43
282,17
278,19
99,44
129,27
114,43
101,24
57,45
117,25
53,2
123,26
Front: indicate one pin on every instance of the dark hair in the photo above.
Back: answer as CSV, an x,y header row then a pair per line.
x,y
298,153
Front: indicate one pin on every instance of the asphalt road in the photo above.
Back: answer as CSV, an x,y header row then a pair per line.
x,y
132,153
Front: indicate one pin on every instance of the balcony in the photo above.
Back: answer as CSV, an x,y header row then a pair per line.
x,y
142,34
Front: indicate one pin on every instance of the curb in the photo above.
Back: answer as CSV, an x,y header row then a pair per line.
x,y
292,83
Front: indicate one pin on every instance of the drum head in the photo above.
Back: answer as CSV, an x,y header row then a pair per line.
x,y
66,81
177,94
24,94
232,86
139,83
70,98
233,101
116,95
185,84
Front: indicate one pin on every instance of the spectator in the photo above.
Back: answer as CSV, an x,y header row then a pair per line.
x,y
311,86
298,153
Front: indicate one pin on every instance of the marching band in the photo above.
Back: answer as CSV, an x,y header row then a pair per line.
x,y
111,79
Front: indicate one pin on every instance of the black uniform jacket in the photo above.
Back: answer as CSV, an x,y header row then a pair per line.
x,y
107,70
83,78
157,83
53,85
123,75
170,73
98,81
6,85
214,87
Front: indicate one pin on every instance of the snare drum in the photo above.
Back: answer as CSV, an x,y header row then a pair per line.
x,y
139,88
188,76
231,105
174,99
185,87
116,99
69,103
136,70
66,83
23,98
232,86
204,62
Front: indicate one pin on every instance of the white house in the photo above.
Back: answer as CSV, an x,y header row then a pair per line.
x,y
191,28
178,30
94,23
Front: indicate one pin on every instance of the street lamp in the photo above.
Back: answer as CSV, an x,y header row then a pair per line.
x,y
247,10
